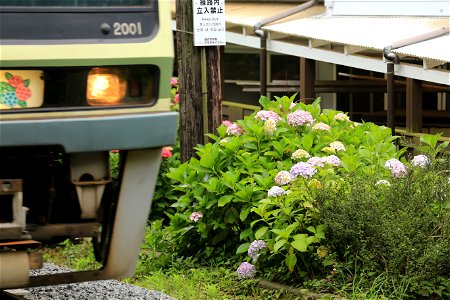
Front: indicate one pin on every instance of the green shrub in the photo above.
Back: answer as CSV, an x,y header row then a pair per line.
x,y
397,229
164,195
225,203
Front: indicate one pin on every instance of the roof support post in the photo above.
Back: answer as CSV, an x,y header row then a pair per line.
x,y
393,59
413,105
259,32
307,79
263,66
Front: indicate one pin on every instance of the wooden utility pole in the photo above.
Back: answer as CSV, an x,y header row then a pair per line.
x,y
214,80
190,86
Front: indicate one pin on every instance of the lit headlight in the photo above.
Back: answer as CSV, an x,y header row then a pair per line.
x,y
105,87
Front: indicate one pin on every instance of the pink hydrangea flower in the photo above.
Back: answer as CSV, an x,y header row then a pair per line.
x,y
299,118
167,152
176,98
396,167
195,216
226,123
235,129
265,115
174,81
283,177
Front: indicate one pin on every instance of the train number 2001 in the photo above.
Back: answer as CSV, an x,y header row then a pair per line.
x,y
127,28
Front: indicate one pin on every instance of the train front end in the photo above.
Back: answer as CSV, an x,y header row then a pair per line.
x,y
81,82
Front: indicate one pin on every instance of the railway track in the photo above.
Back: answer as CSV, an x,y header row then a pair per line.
x,y
92,290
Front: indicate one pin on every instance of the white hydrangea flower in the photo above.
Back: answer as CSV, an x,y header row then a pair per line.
x,y
341,117
276,191
338,146
420,160
383,182
300,153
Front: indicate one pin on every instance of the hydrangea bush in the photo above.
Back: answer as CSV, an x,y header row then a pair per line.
x,y
393,230
258,180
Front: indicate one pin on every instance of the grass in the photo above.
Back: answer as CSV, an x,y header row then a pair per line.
x,y
179,278
189,278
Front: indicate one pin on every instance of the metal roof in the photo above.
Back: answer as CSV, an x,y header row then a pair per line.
x,y
248,14
437,48
355,41
367,32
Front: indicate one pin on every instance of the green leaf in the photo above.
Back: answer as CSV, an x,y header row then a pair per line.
x,y
8,75
260,232
279,244
26,82
246,233
264,101
300,244
307,142
242,248
224,200
311,229
230,217
22,103
244,213
213,137
291,261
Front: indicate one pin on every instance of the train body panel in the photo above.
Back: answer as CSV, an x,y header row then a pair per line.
x,y
89,85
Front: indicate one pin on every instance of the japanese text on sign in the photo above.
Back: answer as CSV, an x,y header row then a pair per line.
x,y
209,22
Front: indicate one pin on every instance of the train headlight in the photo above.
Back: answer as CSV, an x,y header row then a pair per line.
x,y
105,87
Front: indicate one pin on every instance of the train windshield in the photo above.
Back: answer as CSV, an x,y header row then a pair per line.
x,y
76,3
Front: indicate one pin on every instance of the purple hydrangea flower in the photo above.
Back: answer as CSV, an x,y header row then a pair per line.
x,y
255,246
265,115
420,160
195,216
396,167
299,118
276,191
332,160
316,161
246,270
303,169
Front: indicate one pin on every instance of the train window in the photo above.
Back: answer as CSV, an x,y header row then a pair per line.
x,y
78,3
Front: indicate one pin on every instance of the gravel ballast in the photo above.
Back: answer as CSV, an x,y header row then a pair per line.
x,y
102,289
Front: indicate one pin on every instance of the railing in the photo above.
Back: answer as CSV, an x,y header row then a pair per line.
x,y
233,111
418,135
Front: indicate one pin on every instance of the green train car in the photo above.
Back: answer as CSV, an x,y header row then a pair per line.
x,y
78,80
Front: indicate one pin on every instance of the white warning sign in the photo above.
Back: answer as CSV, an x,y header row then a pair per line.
x,y
209,22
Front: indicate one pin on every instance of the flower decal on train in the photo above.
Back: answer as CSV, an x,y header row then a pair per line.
x,y
14,91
